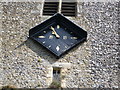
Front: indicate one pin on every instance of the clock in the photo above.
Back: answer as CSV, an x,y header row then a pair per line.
x,y
58,34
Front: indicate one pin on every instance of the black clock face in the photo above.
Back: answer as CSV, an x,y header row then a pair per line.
x,y
60,44
58,34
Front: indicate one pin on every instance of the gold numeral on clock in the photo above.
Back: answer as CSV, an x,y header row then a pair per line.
x,y
49,46
41,36
64,37
51,37
73,37
58,26
57,48
44,31
65,46
43,42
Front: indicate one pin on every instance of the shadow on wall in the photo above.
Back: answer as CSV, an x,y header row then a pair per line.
x,y
39,50
42,52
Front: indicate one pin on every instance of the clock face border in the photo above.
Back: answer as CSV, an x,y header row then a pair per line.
x,y
58,19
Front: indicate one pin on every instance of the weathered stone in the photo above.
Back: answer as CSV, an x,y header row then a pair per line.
x,y
91,64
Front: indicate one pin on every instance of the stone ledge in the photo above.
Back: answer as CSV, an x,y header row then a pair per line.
x,y
61,65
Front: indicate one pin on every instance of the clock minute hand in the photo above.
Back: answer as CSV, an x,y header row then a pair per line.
x,y
55,33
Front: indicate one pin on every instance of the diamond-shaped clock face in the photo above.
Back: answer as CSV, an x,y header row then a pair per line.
x,y
57,35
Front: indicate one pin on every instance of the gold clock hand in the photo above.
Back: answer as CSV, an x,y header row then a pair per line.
x,y
55,33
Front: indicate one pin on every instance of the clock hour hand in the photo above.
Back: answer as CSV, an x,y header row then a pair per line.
x,y
54,32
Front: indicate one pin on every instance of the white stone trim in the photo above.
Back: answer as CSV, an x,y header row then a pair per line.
x,y
61,65
60,6
42,7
